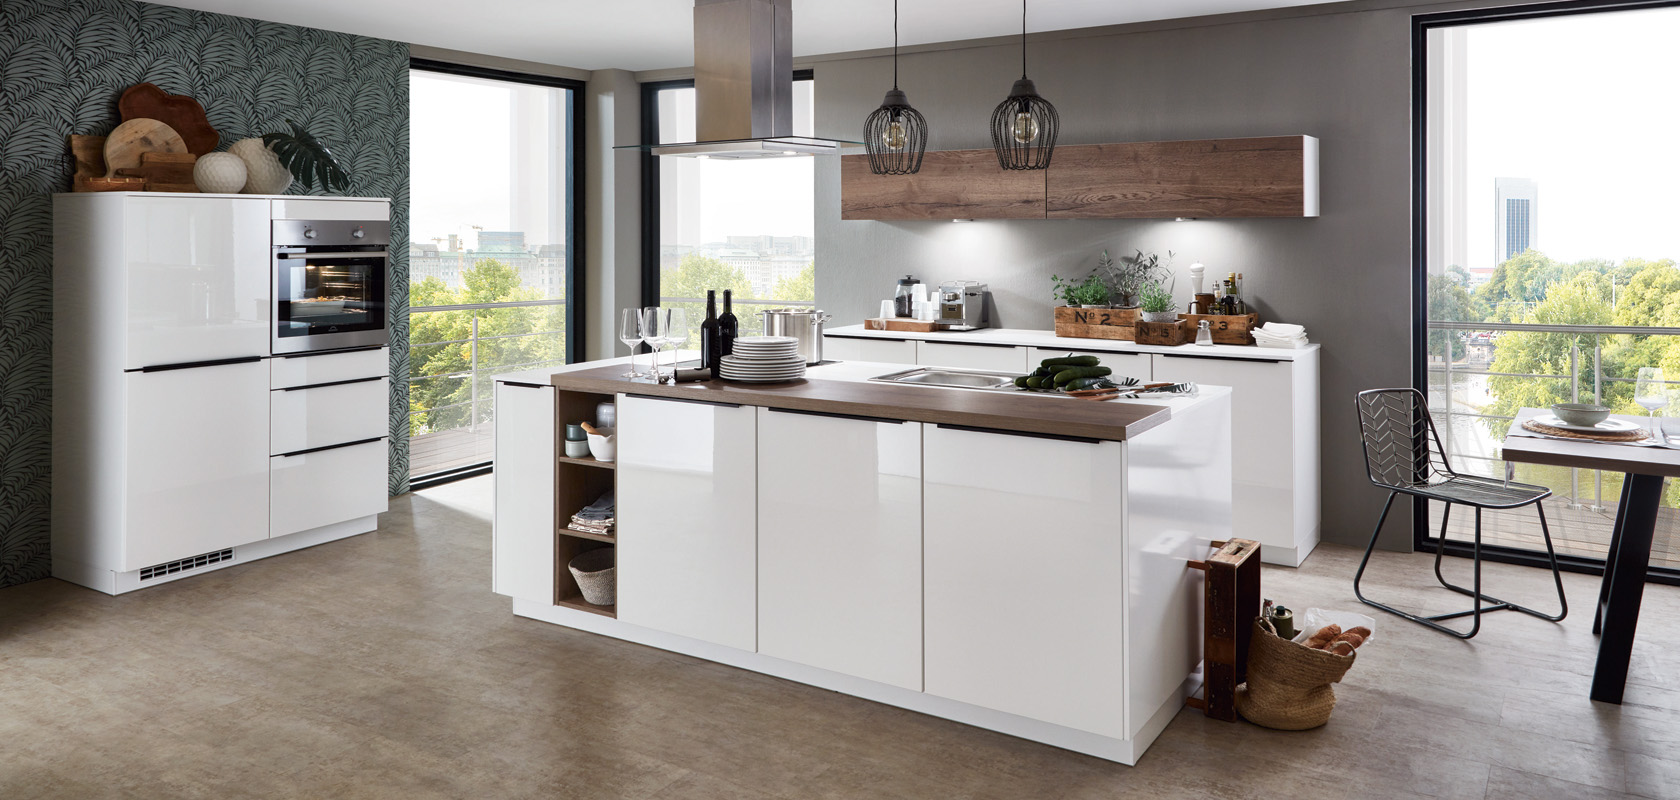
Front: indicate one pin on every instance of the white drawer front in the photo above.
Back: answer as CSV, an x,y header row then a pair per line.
x,y
324,487
318,208
857,348
971,356
328,367
304,419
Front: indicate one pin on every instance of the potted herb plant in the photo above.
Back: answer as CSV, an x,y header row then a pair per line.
x,y
1129,274
1089,293
1156,303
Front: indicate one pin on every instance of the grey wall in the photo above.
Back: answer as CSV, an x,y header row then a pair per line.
x,y
63,64
1342,77
612,248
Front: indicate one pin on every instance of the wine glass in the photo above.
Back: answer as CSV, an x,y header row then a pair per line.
x,y
653,332
630,333
1651,393
676,335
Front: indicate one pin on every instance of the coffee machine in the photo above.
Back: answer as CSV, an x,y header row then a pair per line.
x,y
964,305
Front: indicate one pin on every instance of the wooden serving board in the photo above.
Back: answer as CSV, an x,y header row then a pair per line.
x,y
1227,328
901,325
1097,323
162,168
83,183
182,113
125,144
1167,334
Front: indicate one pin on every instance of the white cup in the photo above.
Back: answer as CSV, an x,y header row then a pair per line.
x,y
887,309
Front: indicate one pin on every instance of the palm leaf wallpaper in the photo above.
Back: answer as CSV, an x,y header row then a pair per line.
x,y
64,63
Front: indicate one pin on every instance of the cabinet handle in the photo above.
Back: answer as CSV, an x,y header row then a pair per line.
x,y
524,385
973,344
1091,352
340,351
331,447
338,254
220,362
1225,358
683,400
858,417
332,383
863,338
1056,436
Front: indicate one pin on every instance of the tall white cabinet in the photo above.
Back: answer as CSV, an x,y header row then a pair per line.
x,y
163,415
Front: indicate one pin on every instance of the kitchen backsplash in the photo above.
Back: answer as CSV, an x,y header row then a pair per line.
x,y
65,62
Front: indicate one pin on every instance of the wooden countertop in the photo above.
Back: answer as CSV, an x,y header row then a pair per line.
x,y
1109,421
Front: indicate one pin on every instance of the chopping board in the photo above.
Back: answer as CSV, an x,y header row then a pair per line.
x,y
178,111
125,144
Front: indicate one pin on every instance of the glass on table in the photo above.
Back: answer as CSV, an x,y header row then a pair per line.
x,y
630,325
676,335
1650,391
653,332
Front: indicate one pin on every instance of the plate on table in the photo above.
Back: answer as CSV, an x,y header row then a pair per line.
x,y
1607,426
764,380
790,373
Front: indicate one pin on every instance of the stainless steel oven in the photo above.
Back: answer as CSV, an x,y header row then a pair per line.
x,y
330,284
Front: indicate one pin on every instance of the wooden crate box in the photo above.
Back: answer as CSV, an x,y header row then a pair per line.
x,y
1097,323
1227,328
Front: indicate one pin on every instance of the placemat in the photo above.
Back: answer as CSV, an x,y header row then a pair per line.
x,y
1636,435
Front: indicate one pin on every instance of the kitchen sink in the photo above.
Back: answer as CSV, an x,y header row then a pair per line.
x,y
952,378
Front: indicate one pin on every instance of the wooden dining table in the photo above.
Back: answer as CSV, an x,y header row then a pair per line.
x,y
1616,614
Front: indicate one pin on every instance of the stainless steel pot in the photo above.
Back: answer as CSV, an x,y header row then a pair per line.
x,y
804,324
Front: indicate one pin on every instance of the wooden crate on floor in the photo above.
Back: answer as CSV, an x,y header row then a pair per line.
x,y
1231,601
1097,323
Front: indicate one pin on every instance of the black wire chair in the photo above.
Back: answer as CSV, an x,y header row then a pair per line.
x,y
1403,454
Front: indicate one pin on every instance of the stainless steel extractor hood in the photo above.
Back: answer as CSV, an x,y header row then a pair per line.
x,y
743,84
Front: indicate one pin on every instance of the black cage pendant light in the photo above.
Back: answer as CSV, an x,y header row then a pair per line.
x,y
895,135
1024,125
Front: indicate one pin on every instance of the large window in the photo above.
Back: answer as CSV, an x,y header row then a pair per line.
x,y
491,253
1549,257
743,225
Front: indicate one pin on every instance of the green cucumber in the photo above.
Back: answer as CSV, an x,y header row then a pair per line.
x,y
1086,383
1073,373
1071,361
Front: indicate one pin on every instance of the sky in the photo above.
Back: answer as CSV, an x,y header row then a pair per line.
x,y
1585,106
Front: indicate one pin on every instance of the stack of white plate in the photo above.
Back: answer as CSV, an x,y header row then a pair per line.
x,y
764,359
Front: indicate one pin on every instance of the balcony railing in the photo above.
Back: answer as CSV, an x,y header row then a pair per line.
x,y
1462,399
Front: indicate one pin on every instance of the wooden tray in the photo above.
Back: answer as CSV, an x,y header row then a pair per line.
x,y
902,325
1168,334
1227,328
1097,323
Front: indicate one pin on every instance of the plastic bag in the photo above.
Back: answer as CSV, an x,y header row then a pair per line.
x,y
1316,618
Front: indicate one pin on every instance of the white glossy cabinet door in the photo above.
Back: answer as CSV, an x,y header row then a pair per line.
x,y
885,351
1129,365
197,277
972,356
1262,444
840,544
687,519
325,487
323,416
1023,562
522,536
196,461
316,368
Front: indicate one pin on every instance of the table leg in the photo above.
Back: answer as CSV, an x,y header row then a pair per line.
x,y
1638,517
1610,557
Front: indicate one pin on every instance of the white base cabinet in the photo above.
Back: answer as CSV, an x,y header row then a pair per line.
x,y
885,351
522,535
687,519
840,544
1001,358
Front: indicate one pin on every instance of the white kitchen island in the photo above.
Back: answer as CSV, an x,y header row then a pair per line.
x,y
1006,560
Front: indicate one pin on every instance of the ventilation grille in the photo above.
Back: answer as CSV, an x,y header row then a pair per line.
x,y
205,560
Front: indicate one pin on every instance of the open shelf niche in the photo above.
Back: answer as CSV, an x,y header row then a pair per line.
x,y
578,482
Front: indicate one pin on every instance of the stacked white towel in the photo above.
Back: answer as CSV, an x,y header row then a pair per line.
x,y
1280,334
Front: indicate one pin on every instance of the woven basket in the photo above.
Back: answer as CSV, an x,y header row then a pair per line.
x,y
1288,684
594,571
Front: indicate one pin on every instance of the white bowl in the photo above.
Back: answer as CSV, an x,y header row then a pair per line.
x,y
603,447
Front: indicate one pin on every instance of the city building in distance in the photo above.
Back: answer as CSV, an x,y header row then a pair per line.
x,y
541,267
1516,215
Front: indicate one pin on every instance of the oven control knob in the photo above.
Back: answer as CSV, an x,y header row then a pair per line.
x,y
308,233
357,233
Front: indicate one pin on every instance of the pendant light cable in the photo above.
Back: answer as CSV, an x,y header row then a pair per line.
x,y
895,43
1023,36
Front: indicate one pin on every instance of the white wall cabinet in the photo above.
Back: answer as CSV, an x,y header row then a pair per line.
x,y
840,544
1002,358
1274,446
885,351
522,536
1024,584
1128,365
687,519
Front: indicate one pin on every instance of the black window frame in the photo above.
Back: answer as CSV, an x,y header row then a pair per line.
x,y
1422,24
650,179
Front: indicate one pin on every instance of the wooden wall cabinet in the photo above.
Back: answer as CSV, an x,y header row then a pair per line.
x,y
1271,176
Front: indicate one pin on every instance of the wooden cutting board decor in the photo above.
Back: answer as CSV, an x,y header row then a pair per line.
x,y
125,144
178,111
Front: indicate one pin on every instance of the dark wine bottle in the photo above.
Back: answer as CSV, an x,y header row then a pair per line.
x,y
710,353
728,326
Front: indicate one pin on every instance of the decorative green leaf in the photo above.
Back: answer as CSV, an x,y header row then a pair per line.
x,y
307,158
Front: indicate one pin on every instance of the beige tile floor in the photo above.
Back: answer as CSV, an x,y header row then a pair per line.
x,y
382,666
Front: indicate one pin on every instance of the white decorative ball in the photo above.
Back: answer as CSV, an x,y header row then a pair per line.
x,y
263,172
219,173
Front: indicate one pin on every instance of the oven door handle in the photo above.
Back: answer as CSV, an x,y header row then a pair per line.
x,y
348,254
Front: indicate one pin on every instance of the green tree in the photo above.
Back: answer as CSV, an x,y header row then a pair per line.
x,y
801,285
1450,302
1583,300
693,276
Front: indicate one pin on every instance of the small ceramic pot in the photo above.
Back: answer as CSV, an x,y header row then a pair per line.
x,y
219,173
577,449
1160,316
603,446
